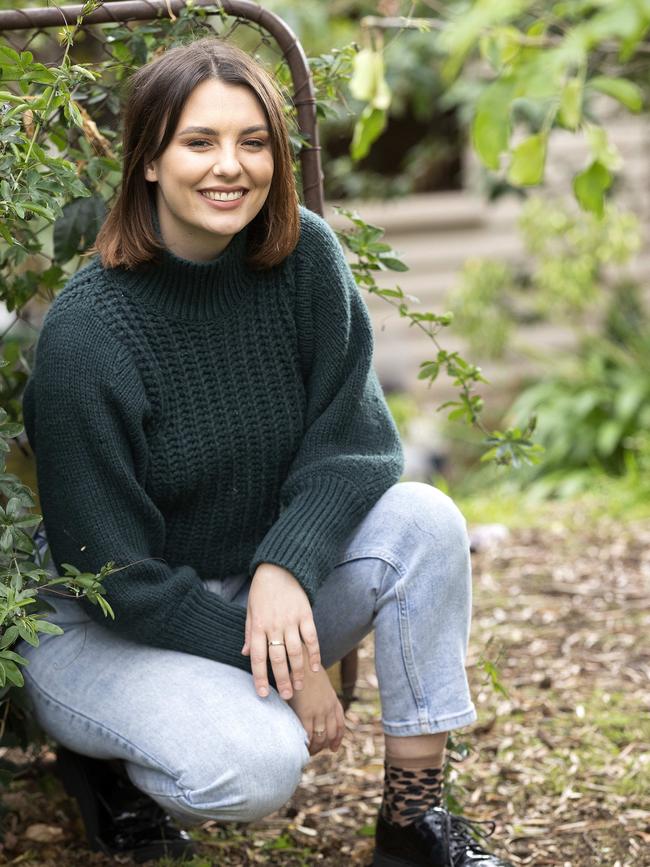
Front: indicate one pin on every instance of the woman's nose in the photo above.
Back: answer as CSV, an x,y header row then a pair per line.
x,y
227,163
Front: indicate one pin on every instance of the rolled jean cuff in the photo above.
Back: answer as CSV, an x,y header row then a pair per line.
x,y
441,724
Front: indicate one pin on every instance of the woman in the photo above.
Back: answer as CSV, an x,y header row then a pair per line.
x,y
205,414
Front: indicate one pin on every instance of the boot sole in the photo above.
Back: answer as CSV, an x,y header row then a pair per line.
x,y
173,849
382,860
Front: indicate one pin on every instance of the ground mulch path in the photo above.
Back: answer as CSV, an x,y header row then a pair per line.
x,y
560,762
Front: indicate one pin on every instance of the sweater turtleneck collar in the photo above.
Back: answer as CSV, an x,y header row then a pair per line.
x,y
183,289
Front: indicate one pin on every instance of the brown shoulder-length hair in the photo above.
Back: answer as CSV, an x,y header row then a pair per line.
x,y
156,95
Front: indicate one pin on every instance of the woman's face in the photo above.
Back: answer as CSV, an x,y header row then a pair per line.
x,y
222,145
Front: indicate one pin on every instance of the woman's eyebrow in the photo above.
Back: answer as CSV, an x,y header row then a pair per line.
x,y
206,130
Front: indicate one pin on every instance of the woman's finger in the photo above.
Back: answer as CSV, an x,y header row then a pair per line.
x,y
340,728
246,648
310,637
332,728
278,657
319,736
295,655
258,661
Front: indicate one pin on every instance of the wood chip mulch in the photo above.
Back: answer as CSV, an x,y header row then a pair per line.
x,y
561,763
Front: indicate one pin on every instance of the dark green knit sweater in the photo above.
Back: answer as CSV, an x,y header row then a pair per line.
x,y
193,420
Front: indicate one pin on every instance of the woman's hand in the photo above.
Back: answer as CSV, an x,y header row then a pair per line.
x,y
279,610
320,712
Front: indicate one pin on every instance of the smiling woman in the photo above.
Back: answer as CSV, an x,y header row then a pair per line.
x,y
205,414
198,123
208,189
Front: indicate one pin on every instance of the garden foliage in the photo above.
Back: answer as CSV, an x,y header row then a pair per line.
x,y
593,403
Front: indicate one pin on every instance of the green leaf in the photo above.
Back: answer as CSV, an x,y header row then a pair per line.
x,y
26,633
393,264
489,455
42,211
528,160
122,52
14,674
590,186
13,507
500,46
571,103
429,369
9,637
625,91
490,135
77,229
83,71
609,436
47,627
6,234
10,430
106,607
603,151
491,124
456,414
364,70
8,53
6,540
368,82
367,130
28,521
12,655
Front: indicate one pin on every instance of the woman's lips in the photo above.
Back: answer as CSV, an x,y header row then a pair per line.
x,y
224,206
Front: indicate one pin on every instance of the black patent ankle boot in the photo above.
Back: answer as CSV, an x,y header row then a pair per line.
x,y
436,839
117,816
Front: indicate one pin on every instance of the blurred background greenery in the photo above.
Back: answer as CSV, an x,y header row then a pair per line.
x,y
576,270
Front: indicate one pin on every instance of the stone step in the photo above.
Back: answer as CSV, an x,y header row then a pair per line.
x,y
441,211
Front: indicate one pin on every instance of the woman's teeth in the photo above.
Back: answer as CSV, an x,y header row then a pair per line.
x,y
222,197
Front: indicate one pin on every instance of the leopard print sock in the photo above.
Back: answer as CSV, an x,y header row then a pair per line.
x,y
408,793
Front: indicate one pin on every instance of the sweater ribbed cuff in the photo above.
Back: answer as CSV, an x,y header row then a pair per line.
x,y
308,534
206,622
211,627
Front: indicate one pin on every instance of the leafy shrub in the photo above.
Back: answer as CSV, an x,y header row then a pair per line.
x,y
591,416
593,403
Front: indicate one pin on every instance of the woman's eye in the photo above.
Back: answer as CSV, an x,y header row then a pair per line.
x,y
200,142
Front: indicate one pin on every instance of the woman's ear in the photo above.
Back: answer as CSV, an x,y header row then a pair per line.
x,y
150,172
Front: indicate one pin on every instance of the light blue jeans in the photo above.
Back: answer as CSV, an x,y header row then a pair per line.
x,y
194,734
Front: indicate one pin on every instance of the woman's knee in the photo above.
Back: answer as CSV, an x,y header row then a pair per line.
x,y
258,779
430,510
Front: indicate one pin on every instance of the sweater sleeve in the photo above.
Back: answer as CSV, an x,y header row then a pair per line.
x,y
350,453
85,410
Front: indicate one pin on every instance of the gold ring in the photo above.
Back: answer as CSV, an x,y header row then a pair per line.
x,y
276,643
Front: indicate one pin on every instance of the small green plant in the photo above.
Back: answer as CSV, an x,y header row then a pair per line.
x,y
512,447
23,609
593,415
593,403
